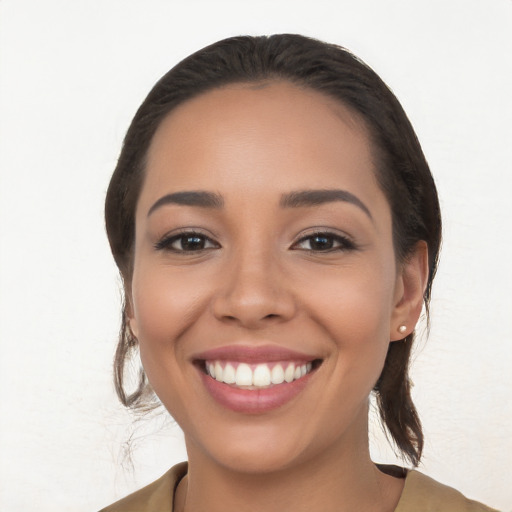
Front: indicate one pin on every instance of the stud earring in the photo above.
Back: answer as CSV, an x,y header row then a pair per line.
x,y
402,329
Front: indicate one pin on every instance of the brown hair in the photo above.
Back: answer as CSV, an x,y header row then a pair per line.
x,y
402,171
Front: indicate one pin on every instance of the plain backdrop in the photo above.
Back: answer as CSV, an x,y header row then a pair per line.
x,y
72,74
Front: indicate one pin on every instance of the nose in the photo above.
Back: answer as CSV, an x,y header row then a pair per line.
x,y
254,293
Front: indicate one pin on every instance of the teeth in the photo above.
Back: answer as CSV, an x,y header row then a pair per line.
x,y
243,375
258,376
218,372
277,374
229,376
261,376
289,373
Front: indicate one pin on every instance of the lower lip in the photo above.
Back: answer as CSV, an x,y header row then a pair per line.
x,y
254,401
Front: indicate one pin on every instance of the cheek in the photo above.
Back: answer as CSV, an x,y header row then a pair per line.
x,y
354,301
165,306
354,308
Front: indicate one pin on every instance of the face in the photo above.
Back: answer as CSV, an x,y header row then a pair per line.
x,y
265,290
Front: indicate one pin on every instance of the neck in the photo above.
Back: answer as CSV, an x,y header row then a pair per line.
x,y
342,479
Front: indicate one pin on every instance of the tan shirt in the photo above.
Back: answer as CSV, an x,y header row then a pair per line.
x,y
421,494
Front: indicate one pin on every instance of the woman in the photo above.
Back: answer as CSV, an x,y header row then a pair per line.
x,y
277,229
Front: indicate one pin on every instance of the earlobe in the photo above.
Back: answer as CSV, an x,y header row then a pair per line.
x,y
132,325
410,288
130,316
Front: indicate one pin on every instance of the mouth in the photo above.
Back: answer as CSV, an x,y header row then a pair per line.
x,y
255,380
243,375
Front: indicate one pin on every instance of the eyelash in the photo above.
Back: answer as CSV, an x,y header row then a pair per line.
x,y
167,242
338,242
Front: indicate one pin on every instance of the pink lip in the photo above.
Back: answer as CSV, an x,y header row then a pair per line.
x,y
254,401
252,354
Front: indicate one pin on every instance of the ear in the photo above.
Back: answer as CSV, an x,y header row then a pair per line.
x,y
410,286
129,312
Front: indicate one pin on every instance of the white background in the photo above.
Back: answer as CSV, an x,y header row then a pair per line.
x,y
73,73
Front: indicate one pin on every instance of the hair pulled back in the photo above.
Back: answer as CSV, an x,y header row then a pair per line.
x,y
401,168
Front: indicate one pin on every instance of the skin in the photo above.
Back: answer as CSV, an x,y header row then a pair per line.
x,y
258,281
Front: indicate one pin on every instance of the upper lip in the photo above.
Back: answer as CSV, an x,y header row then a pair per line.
x,y
253,354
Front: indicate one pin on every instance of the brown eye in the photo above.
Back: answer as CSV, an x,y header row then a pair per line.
x,y
186,242
323,242
190,243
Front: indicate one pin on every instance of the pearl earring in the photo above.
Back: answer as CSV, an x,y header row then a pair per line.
x,y
402,329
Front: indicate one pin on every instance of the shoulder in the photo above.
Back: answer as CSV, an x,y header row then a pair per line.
x,y
423,494
155,497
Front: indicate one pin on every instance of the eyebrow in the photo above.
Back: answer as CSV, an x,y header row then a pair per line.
x,y
296,199
190,198
303,198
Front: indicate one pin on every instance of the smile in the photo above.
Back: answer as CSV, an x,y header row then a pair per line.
x,y
260,376
254,380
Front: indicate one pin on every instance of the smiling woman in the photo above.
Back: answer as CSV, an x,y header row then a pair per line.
x,y
277,230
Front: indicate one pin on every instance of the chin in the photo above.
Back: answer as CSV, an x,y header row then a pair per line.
x,y
257,461
263,447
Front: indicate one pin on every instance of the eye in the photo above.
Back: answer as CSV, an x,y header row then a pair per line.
x,y
323,242
186,242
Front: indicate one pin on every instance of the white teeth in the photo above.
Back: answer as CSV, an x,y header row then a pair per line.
x,y
243,375
289,373
218,371
277,376
229,375
262,376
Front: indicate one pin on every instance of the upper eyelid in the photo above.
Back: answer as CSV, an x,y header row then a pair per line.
x,y
326,233
172,236
319,230
188,231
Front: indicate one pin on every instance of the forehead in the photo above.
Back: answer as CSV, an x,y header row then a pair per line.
x,y
245,137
